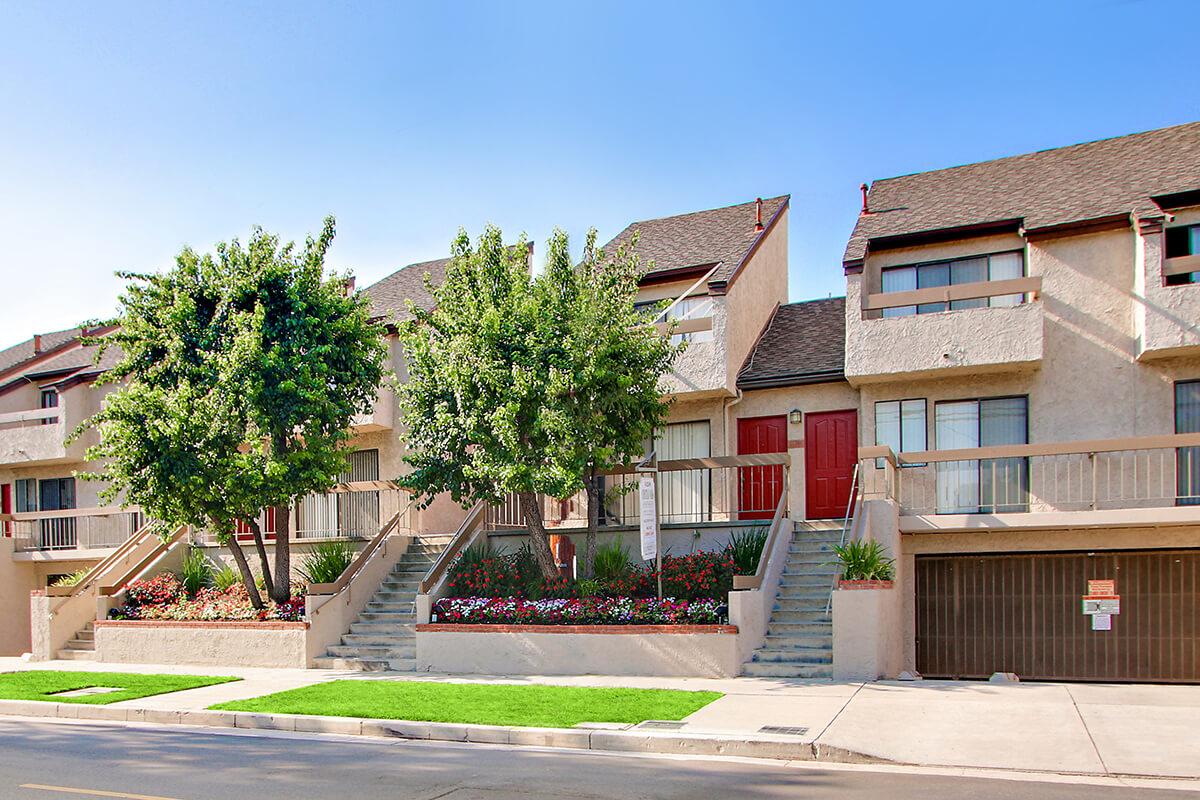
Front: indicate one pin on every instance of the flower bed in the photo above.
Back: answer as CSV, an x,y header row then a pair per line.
x,y
163,598
579,611
698,576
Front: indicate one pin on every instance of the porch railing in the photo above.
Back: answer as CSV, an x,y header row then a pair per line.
x,y
354,510
72,529
1103,474
690,491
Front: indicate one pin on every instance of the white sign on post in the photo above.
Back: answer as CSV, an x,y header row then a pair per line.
x,y
649,514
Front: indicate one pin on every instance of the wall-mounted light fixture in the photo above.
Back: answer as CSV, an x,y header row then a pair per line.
x,y
795,416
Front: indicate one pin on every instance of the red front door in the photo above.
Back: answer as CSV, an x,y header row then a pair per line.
x,y
759,488
830,452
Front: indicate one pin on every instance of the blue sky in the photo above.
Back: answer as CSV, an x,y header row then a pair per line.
x,y
130,130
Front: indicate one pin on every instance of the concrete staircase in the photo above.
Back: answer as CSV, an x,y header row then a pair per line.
x,y
82,647
384,636
799,640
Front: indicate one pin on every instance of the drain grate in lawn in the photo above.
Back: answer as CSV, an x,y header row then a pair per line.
x,y
95,688
479,704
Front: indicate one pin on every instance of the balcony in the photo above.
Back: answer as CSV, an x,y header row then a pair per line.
x,y
34,437
994,338
72,533
690,492
1171,312
1146,481
381,416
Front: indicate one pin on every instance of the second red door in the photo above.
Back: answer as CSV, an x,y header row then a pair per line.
x,y
830,453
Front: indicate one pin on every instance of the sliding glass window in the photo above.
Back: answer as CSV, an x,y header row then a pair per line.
x,y
1187,459
982,486
994,267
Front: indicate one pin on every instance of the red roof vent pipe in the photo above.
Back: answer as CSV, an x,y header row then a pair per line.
x,y
758,226
863,188
37,343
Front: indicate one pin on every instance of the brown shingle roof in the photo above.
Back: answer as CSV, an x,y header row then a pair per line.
x,y
22,353
387,297
722,236
1090,181
803,343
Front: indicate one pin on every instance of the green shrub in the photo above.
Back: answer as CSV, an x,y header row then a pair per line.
x,y
326,562
226,576
612,561
72,579
196,572
745,547
587,587
864,561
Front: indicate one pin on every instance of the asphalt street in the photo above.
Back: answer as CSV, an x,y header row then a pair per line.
x,y
62,760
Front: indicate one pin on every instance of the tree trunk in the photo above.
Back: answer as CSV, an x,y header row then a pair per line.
x,y
592,484
281,590
539,541
247,573
261,547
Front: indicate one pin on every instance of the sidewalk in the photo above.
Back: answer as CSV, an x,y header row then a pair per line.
x,y
1092,729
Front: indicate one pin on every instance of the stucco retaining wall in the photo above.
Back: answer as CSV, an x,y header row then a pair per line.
x,y
222,644
867,636
700,651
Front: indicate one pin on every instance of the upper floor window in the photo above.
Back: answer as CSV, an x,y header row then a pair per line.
x,y
1183,241
49,399
697,307
993,267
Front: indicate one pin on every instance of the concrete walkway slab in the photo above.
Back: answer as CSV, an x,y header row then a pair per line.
x,y
1021,726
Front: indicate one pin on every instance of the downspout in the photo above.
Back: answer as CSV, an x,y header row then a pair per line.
x,y
731,500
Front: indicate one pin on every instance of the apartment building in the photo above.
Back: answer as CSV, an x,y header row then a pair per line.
x,y
758,374
1025,337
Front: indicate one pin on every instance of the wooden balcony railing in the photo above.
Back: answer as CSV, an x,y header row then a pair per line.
x,y
1103,474
978,290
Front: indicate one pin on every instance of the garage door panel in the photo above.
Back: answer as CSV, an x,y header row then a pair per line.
x,y
1021,613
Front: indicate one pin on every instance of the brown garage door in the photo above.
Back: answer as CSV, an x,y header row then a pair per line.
x,y
1022,613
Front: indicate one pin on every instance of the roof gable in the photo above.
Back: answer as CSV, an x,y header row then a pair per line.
x,y
1043,190
803,343
721,237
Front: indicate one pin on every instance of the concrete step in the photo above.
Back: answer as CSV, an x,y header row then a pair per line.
x,y
87,634
821,629
373,653
393,640
776,669
76,655
793,628
388,615
81,644
356,664
394,596
383,628
811,549
791,656
398,587
790,603
802,642
807,577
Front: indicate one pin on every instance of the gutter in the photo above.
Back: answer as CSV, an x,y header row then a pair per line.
x,y
793,379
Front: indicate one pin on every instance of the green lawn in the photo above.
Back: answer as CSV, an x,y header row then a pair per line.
x,y
44,684
481,704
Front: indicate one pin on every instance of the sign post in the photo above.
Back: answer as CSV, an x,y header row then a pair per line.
x,y
648,505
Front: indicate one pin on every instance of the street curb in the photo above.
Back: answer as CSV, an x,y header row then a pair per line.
x,y
780,748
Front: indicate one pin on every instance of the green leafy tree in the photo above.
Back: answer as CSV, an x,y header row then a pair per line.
x,y
528,387
240,372
605,371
